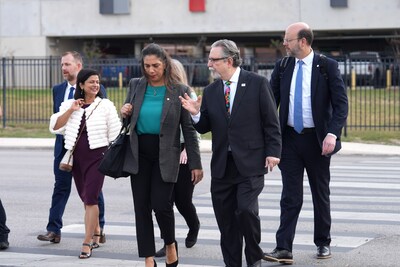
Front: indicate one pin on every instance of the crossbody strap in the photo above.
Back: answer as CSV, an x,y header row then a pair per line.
x,y
83,127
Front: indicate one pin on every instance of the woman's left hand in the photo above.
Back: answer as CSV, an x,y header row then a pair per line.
x,y
183,158
197,176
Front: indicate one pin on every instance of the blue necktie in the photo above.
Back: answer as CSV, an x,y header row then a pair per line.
x,y
298,100
71,93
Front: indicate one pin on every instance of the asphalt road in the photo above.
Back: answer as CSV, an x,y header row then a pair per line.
x,y
365,195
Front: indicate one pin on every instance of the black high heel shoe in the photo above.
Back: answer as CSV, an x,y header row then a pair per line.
x,y
94,243
175,263
86,255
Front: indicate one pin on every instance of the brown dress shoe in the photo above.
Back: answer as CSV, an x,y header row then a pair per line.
x,y
50,236
102,237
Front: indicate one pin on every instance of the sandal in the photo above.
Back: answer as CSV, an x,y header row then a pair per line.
x,y
85,255
102,239
95,245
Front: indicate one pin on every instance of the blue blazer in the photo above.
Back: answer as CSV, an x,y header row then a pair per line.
x,y
328,98
58,98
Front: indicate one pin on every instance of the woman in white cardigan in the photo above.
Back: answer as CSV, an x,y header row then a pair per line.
x,y
89,123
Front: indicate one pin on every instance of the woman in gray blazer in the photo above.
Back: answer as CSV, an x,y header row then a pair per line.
x,y
155,120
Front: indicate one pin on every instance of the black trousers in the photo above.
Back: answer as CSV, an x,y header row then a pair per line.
x,y
3,227
299,152
183,197
235,203
150,193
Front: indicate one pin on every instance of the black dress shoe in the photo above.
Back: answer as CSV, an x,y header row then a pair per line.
x,y
50,236
279,255
160,253
191,238
323,252
4,244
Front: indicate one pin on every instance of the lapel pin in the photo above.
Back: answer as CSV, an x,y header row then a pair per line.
x,y
243,84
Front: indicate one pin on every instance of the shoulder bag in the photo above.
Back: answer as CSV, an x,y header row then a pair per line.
x,y
112,163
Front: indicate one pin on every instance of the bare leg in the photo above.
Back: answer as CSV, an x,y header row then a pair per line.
x,y
91,224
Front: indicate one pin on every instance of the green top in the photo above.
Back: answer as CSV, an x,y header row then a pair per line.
x,y
150,112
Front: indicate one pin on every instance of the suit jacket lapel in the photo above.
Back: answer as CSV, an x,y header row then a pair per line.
x,y
137,103
220,95
60,95
314,77
168,99
240,91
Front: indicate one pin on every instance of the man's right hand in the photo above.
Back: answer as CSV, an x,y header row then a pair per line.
x,y
126,110
193,106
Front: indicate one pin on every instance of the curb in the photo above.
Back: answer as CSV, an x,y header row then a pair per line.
x,y
348,148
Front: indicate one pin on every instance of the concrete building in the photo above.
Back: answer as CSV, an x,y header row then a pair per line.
x,y
120,28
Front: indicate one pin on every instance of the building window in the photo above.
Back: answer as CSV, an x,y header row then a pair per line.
x,y
338,3
116,7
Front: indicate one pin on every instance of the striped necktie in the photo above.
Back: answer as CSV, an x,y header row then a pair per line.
x,y
228,97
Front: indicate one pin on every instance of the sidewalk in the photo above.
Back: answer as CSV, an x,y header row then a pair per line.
x,y
205,146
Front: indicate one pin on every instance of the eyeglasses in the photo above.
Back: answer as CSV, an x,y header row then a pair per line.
x,y
289,40
212,60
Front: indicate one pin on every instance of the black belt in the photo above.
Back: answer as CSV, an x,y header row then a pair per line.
x,y
304,131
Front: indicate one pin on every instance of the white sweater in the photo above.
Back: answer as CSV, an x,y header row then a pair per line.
x,y
103,125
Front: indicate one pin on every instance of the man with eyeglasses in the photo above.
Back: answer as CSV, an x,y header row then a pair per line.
x,y
239,110
313,109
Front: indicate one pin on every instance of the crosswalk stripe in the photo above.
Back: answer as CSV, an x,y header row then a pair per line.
x,y
213,234
348,184
336,215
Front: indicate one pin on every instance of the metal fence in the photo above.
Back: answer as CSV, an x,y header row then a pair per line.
x,y
26,97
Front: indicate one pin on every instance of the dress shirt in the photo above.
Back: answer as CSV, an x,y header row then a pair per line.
x,y
234,82
67,91
308,121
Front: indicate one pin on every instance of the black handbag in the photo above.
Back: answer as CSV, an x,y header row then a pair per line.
x,y
112,163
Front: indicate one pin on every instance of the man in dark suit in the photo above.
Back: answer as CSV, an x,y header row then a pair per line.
x,y
71,64
313,109
246,141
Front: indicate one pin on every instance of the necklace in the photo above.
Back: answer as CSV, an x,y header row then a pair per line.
x,y
155,91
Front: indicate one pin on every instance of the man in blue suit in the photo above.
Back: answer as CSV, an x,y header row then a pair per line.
x,y
71,64
313,109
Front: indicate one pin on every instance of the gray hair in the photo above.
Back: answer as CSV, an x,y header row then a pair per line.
x,y
229,49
